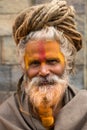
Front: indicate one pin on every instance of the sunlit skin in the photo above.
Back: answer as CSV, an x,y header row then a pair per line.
x,y
43,57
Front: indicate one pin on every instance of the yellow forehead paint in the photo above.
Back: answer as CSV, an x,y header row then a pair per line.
x,y
26,60
52,50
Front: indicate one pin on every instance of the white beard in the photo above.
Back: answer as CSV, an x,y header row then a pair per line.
x,y
49,95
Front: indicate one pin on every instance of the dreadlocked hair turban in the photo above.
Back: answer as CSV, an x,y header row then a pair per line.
x,y
56,13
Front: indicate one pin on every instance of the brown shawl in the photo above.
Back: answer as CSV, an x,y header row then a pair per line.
x,y
73,116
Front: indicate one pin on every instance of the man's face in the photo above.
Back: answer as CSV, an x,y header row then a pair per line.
x,y
43,58
45,67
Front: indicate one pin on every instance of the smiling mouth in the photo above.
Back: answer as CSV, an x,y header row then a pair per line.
x,y
46,83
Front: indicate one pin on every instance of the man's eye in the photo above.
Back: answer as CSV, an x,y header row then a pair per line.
x,y
34,63
53,61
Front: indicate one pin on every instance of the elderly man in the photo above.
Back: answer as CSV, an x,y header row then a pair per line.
x,y
47,41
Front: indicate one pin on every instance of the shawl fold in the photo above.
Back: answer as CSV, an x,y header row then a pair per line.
x,y
73,115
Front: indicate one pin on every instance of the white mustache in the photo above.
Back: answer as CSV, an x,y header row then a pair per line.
x,y
44,81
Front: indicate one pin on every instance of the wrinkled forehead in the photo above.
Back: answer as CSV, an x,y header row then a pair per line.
x,y
42,46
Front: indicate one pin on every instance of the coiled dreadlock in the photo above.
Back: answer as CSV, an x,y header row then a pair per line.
x,y
56,13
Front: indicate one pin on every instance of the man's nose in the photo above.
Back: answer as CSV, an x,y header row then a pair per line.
x,y
44,70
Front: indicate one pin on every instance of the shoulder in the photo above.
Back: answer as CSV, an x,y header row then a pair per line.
x,y
82,95
10,116
79,92
80,98
73,93
8,106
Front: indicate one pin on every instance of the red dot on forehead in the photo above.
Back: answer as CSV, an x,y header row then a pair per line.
x,y
41,49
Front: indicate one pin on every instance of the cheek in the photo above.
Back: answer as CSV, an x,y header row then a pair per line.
x,y
32,73
58,70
